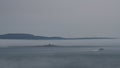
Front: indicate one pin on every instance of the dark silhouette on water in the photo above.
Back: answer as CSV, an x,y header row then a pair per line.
x,y
101,49
27,36
33,37
49,45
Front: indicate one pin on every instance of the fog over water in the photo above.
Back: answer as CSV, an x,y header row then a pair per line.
x,y
61,18
95,42
67,18
87,56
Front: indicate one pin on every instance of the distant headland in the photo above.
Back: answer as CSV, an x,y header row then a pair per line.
x,y
33,37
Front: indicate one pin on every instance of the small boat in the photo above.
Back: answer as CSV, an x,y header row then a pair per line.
x,y
49,45
101,49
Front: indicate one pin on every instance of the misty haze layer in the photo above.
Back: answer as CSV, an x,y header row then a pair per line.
x,y
69,18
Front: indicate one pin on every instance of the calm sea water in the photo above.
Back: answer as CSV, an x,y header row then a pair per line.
x,y
60,42
60,57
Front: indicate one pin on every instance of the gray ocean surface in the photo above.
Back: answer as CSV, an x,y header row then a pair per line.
x,y
87,55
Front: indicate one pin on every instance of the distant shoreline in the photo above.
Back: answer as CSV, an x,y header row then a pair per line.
x,y
18,36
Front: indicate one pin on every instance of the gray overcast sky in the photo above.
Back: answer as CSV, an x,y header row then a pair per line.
x,y
67,18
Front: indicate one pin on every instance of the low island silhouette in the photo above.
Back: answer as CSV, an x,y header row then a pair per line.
x,y
34,37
